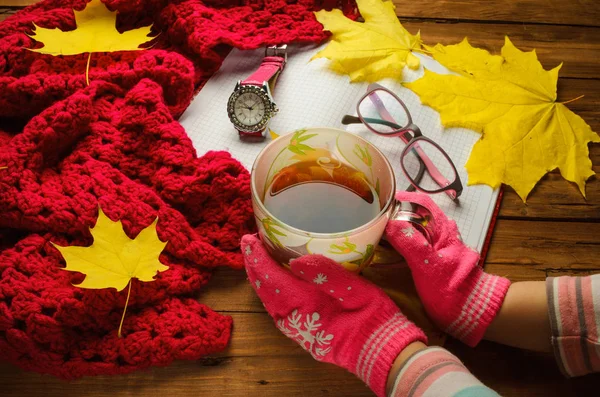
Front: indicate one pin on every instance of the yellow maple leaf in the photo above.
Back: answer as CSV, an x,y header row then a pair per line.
x,y
96,32
273,134
114,259
511,100
378,48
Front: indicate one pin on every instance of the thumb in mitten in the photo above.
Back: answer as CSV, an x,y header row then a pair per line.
x,y
457,294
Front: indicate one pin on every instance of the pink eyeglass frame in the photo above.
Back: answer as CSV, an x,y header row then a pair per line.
x,y
452,189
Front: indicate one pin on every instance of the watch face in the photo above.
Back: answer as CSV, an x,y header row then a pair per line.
x,y
249,108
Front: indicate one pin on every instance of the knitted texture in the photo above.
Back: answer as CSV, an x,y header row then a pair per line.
x,y
457,294
201,32
335,315
115,144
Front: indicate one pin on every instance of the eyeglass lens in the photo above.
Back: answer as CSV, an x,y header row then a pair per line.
x,y
439,176
382,112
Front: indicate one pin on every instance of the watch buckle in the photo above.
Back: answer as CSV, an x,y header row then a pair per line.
x,y
277,51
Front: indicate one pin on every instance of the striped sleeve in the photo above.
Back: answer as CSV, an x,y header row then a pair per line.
x,y
436,372
574,310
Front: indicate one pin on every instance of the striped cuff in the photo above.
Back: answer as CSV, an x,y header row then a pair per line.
x,y
381,349
480,307
574,310
436,372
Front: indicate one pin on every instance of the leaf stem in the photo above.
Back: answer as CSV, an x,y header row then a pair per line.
x,y
125,308
87,73
573,100
423,50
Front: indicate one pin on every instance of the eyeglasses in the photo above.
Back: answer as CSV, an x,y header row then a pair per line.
x,y
383,113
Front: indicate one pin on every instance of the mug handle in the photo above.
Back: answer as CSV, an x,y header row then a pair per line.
x,y
421,217
415,213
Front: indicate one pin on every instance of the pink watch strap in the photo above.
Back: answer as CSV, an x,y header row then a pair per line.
x,y
269,69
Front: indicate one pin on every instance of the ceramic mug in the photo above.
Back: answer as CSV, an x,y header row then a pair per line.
x,y
328,150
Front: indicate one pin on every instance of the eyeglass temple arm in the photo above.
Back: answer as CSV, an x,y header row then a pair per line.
x,y
436,175
347,119
404,135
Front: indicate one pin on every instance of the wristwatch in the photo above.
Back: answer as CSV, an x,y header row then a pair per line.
x,y
251,106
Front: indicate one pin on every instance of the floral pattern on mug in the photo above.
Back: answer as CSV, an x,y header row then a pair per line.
x,y
270,228
296,145
363,154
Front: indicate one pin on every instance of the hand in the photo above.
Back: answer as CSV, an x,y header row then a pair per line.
x,y
457,294
335,315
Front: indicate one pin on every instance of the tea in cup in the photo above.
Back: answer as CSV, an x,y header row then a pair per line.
x,y
325,191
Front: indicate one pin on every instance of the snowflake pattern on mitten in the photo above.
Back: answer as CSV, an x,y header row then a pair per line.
x,y
335,315
306,333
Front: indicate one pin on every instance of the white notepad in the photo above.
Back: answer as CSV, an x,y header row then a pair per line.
x,y
308,94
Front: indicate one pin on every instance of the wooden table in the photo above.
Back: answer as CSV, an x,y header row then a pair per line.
x,y
556,233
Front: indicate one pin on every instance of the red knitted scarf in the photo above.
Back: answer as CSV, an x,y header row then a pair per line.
x,y
115,144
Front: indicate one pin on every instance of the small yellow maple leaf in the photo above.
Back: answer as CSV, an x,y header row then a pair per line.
x,y
273,134
114,259
511,100
370,51
96,32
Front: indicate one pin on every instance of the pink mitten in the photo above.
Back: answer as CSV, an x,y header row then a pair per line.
x,y
335,315
457,294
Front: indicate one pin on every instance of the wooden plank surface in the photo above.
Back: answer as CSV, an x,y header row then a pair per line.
x,y
557,12
578,48
557,232
5,13
261,361
17,3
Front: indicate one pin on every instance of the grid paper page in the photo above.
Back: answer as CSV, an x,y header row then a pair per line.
x,y
308,94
